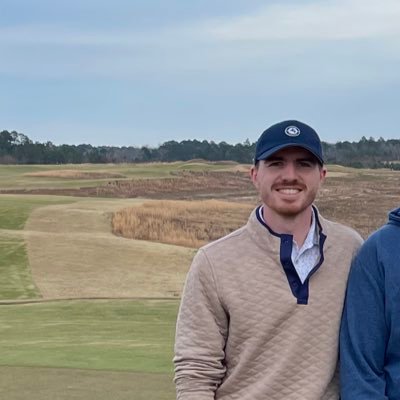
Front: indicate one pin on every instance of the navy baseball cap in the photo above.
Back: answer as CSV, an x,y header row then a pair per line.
x,y
289,133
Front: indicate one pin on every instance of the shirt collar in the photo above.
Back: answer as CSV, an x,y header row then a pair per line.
x,y
312,237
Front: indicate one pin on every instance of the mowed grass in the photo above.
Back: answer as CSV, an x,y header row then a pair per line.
x,y
126,341
16,280
119,335
15,210
22,383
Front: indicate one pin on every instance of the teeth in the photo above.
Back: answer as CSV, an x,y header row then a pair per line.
x,y
289,191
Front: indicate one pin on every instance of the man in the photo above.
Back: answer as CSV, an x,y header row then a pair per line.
x,y
260,312
370,332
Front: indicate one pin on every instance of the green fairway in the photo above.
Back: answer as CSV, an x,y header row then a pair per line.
x,y
128,342
15,210
104,335
22,383
16,281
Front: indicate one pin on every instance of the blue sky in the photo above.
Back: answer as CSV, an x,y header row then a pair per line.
x,y
143,72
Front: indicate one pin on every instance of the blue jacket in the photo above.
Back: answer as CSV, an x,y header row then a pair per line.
x,y
370,331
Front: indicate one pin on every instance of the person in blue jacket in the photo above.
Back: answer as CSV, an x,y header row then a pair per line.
x,y
370,330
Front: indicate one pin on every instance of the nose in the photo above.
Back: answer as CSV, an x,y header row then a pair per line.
x,y
289,172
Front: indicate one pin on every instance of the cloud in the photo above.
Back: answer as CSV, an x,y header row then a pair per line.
x,y
322,20
317,20
349,40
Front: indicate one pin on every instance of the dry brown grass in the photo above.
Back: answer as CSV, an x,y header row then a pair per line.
x,y
73,174
183,223
357,198
360,199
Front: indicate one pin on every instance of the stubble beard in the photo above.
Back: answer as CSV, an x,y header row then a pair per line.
x,y
289,210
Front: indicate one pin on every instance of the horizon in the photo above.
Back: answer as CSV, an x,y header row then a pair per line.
x,y
182,140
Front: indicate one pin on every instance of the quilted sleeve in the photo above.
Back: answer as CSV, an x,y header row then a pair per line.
x,y
201,332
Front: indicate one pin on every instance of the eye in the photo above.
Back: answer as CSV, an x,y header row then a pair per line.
x,y
275,163
305,164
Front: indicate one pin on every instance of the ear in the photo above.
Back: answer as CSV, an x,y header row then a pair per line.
x,y
322,174
254,174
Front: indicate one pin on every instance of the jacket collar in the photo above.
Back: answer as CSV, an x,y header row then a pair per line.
x,y
258,229
394,216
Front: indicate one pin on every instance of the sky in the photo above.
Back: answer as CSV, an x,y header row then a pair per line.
x,y
140,73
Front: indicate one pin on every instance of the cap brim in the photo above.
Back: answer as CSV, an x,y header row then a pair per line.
x,y
272,151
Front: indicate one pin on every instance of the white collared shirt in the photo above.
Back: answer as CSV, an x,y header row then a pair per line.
x,y
307,257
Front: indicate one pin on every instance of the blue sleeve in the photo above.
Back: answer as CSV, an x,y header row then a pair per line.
x,y
364,334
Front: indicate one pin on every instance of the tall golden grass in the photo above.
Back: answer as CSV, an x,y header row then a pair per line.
x,y
183,223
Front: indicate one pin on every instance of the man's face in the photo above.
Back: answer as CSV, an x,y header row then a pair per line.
x,y
288,181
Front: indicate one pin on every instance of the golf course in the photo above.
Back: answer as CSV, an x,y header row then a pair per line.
x,y
93,260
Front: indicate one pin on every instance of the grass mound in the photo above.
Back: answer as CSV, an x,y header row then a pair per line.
x,y
74,174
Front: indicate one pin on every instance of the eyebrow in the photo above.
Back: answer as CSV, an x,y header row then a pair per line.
x,y
308,159
273,158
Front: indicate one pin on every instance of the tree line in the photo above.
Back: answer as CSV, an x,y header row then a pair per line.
x,y
17,148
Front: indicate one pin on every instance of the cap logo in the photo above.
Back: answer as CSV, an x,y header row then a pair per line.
x,y
292,131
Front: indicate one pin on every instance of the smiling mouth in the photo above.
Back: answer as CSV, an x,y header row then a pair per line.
x,y
289,191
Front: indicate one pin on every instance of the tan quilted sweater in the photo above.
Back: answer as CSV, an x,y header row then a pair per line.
x,y
240,332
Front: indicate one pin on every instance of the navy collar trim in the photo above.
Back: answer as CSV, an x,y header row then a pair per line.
x,y
299,289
